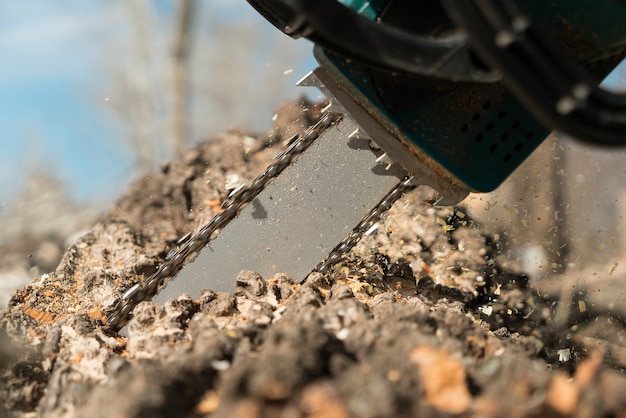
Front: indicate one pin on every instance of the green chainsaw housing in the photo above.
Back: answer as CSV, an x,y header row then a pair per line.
x,y
477,134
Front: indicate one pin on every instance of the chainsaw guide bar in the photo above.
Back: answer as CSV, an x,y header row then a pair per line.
x,y
299,215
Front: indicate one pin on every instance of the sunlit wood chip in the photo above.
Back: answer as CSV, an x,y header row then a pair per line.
x,y
209,403
444,379
563,395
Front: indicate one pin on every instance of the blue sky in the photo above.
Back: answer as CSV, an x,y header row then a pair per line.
x,y
53,91
46,77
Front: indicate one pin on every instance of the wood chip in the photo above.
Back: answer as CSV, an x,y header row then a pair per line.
x,y
563,395
320,401
209,403
38,315
444,380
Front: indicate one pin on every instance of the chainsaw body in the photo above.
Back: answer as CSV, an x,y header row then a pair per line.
x,y
455,113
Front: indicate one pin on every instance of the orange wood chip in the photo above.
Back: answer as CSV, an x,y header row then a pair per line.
x,y
209,403
444,380
321,402
215,205
39,316
563,394
97,315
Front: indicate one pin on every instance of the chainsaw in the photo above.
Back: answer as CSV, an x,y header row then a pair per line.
x,y
450,94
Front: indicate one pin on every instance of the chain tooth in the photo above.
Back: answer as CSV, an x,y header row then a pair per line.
x,y
191,246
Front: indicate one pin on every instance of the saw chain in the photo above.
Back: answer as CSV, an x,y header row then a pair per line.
x,y
191,246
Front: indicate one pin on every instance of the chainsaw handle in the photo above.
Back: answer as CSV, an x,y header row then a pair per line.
x,y
335,27
543,77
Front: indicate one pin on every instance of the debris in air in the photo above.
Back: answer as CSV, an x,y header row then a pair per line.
x,y
564,354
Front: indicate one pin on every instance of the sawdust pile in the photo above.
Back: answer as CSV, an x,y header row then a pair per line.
x,y
423,318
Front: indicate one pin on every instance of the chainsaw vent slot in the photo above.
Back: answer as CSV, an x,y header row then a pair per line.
x,y
499,133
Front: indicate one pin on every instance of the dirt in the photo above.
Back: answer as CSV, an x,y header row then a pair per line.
x,y
425,317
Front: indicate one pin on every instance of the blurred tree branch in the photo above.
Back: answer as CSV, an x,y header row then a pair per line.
x,y
181,74
142,99
184,69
